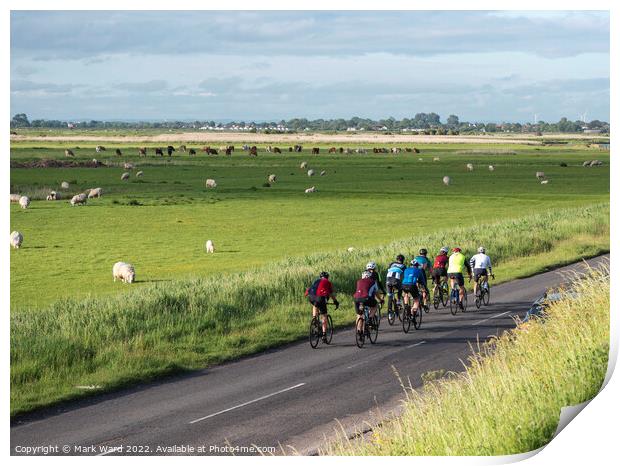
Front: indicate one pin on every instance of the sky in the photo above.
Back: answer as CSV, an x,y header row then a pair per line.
x,y
272,65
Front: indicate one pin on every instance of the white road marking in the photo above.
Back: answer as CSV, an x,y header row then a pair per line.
x,y
492,317
417,344
248,402
380,355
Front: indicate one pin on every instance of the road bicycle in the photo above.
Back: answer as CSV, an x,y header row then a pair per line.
x,y
316,330
395,306
409,318
424,303
483,291
370,326
441,293
455,299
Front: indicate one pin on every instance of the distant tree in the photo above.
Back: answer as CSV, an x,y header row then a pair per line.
x,y
452,121
20,120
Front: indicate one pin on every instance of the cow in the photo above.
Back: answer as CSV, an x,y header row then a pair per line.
x,y
332,150
170,150
268,149
277,150
253,151
192,152
341,150
290,149
407,149
69,153
416,151
99,149
315,151
142,151
297,148
118,152
158,151
228,151
231,148
183,148
245,147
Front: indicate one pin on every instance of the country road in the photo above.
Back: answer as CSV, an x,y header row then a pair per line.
x,y
288,398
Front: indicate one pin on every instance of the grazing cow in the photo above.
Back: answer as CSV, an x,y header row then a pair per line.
x,y
231,148
228,151
142,152
297,148
206,149
99,149
170,150
118,152
183,148
277,150
290,149
245,147
332,150
416,151
268,148
158,151
213,152
341,150
395,150
347,151
192,152
407,149
315,151
253,151
69,153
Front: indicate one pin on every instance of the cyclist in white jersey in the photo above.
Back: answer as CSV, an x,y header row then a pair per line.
x,y
479,264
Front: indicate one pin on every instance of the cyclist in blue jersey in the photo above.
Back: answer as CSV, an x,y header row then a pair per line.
x,y
394,279
412,276
425,266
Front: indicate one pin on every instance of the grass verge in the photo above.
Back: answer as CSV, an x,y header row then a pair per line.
x,y
508,400
164,328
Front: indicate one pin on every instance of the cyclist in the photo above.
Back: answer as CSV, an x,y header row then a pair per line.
x,y
412,276
318,293
439,266
365,295
479,264
425,266
394,278
456,266
372,268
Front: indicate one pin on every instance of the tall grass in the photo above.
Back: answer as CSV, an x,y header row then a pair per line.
x,y
509,399
162,328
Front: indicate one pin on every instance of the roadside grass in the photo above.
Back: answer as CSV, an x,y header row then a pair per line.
x,y
162,328
508,400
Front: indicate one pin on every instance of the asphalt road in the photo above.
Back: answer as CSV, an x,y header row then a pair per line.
x,y
287,398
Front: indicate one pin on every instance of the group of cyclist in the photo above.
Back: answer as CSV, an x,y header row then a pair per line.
x,y
407,282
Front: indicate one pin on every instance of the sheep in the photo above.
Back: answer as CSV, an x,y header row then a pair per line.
x,y
435,159
211,183
125,176
446,180
272,178
491,168
124,272
587,163
420,159
303,165
470,167
64,185
24,202
99,149
15,197
95,162
78,199
142,151
128,166
596,163
540,175
183,148
350,249
310,190
139,174
53,196
544,182
210,246
311,172
69,153
95,192
323,173
16,239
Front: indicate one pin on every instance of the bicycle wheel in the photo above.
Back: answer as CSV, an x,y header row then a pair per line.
x,y
486,296
445,294
436,297
417,319
406,320
330,330
464,299
478,299
359,337
373,329
454,307
391,315
315,332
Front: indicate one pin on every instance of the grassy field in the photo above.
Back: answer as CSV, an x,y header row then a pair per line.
x,y
160,222
509,399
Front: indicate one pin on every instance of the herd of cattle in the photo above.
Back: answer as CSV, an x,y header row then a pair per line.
x,y
253,150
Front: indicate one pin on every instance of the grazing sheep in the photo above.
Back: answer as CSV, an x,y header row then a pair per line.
x,y
540,175
125,176
351,249
64,185
272,178
416,151
15,197
211,183
99,149
491,168
303,165
128,166
470,167
124,272
95,192
16,239
420,159
587,163
183,148
310,190
210,246
596,163
323,173
95,162
446,180
435,159
69,153
311,172
78,199
544,182
24,202
139,174
118,152
53,196
142,151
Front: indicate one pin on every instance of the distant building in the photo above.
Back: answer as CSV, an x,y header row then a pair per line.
x,y
592,131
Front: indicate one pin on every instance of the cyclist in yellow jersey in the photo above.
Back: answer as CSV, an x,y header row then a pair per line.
x,y
457,264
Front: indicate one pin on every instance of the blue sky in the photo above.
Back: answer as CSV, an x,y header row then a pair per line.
x,y
482,66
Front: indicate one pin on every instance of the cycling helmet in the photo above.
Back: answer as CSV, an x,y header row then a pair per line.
x,y
481,250
423,252
415,263
324,275
400,258
371,265
366,274
456,250
445,249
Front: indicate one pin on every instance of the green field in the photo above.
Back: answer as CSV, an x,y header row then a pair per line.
x,y
363,201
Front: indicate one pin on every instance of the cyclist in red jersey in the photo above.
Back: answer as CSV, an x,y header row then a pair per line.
x,y
440,266
318,293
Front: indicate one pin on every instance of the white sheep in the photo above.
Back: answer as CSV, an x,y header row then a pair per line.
x,y
24,202
419,159
211,183
323,173
350,249
311,172
303,165
491,168
446,180
16,239
95,192
124,272
15,197
125,176
310,190
272,178
470,167
544,182
435,159
78,199
587,163
139,174
95,162
128,166
210,246
540,175
53,196
64,185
